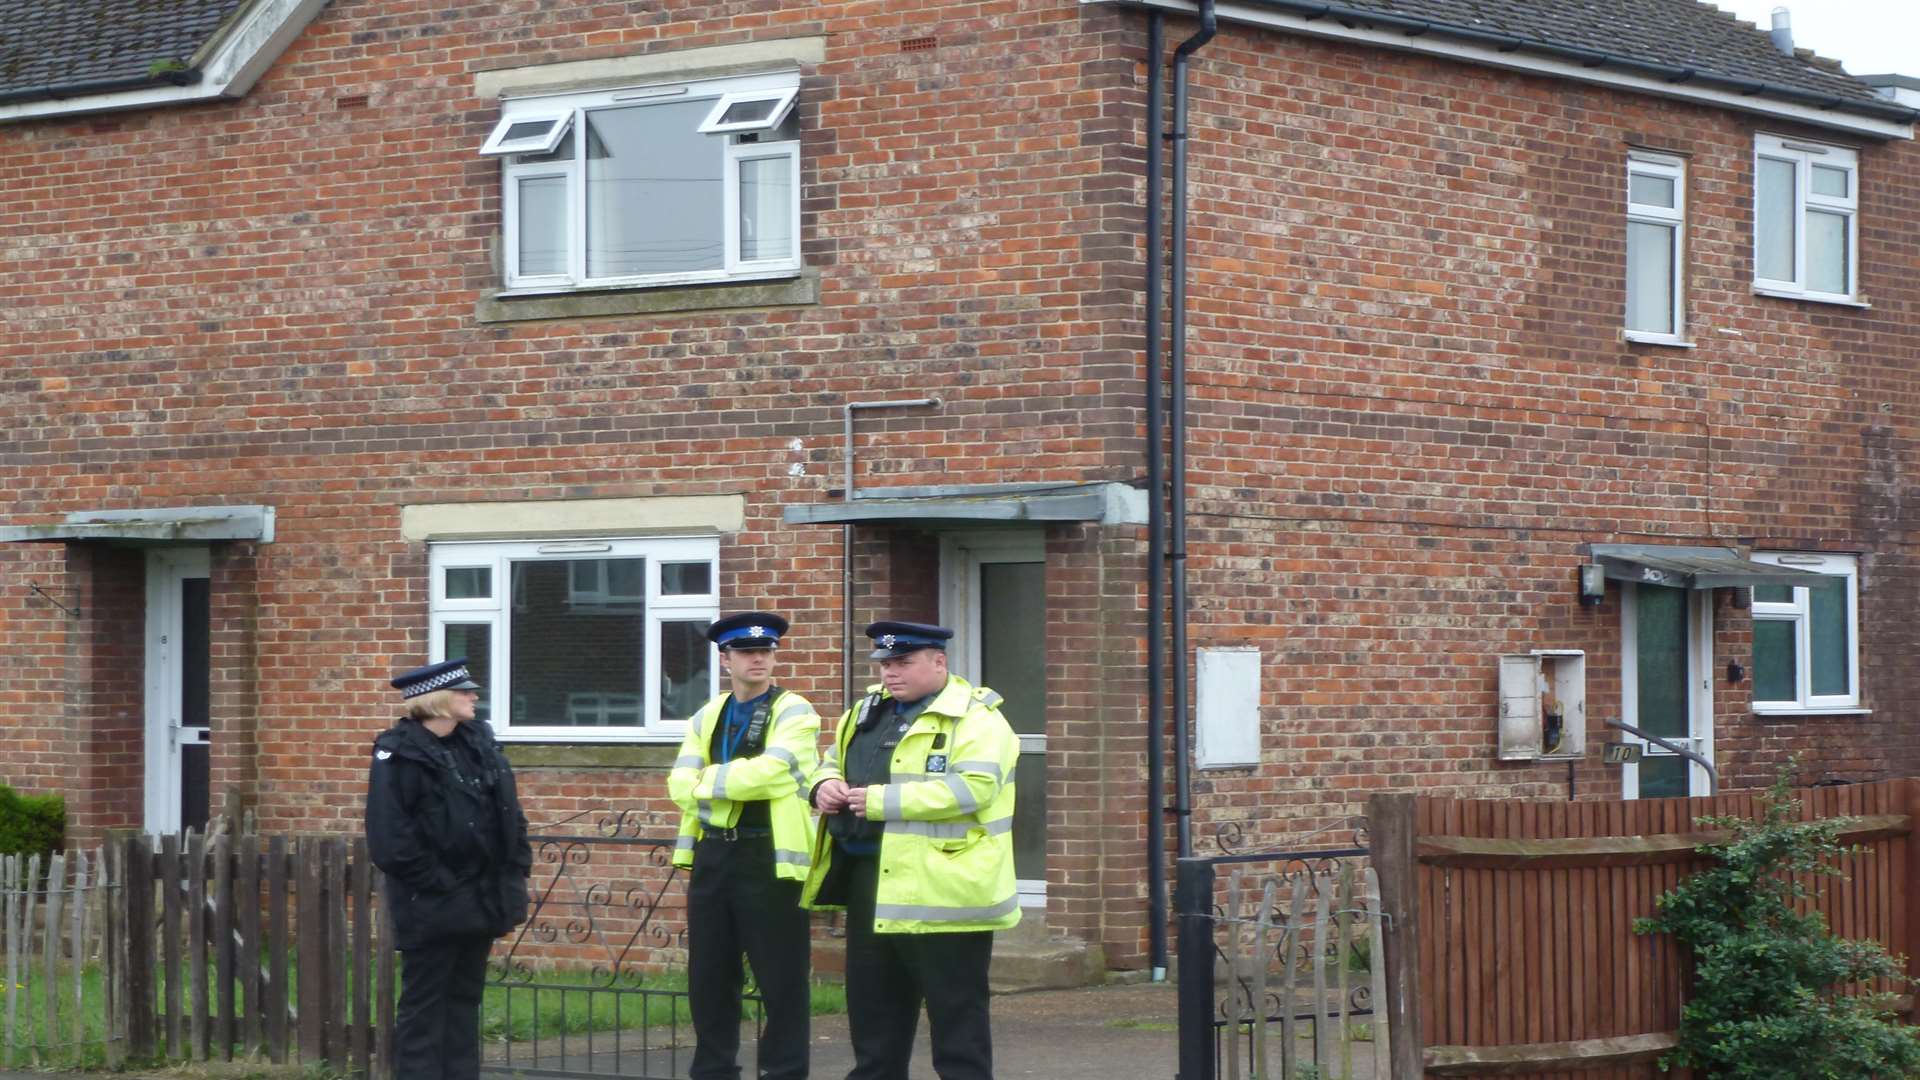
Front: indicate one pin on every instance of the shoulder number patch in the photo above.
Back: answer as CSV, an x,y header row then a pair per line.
x,y
936,763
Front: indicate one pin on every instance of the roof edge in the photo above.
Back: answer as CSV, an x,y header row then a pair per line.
x,y
1876,119
227,65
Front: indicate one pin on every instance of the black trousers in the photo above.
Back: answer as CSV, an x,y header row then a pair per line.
x,y
736,905
436,1028
889,975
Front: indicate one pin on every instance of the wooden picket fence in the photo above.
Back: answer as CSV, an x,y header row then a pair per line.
x,y
56,929
200,948
1510,948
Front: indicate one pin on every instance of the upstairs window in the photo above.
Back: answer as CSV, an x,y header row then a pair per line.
x,y
1806,642
1656,229
1806,201
681,183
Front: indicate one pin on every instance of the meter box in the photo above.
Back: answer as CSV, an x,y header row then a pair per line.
x,y
1543,705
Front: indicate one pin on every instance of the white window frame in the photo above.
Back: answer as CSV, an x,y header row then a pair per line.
x,y
497,613
560,121
742,144
1664,167
1799,612
1804,155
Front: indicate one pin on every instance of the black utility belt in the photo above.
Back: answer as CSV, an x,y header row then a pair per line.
x,y
731,835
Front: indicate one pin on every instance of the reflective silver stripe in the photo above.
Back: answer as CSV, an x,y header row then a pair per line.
x,y
798,708
793,765
691,761
962,794
890,805
791,858
991,767
684,843
705,812
951,830
720,782
990,698
897,777
929,913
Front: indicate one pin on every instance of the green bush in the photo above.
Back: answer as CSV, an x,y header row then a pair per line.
x,y
1767,1001
31,824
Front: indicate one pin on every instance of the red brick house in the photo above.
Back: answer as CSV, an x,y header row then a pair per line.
x,y
341,336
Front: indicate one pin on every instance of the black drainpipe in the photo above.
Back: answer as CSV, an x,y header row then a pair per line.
x,y
1183,803
1156,515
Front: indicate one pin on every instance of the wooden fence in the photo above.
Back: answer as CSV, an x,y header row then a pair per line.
x,y
199,948
1509,925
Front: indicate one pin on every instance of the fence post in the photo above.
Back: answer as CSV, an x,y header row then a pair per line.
x,y
135,977
1911,789
1193,903
1391,828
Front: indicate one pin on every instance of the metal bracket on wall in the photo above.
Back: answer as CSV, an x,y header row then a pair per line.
x,y
74,612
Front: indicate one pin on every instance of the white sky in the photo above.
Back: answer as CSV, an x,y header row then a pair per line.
x,y
1871,37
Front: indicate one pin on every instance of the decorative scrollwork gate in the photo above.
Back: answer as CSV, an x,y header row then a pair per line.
x,y
1298,932
587,984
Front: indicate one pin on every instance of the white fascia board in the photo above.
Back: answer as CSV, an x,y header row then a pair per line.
x,y
229,65
1536,65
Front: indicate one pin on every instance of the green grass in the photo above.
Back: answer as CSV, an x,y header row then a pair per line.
x,y
31,1036
566,1003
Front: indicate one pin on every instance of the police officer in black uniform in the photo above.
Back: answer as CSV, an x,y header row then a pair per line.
x,y
444,824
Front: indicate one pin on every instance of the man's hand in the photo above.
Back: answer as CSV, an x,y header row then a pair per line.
x,y
831,796
857,800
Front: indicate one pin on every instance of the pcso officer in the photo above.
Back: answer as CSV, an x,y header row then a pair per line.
x,y
744,825
916,842
444,824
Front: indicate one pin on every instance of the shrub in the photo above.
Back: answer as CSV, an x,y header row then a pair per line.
x,y
31,824
1765,1003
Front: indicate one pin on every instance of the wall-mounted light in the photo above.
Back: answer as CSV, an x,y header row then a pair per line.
x,y
1593,583
1735,671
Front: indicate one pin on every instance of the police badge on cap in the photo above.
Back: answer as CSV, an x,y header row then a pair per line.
x,y
446,675
747,630
900,638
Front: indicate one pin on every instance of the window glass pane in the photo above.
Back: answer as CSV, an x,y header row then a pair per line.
x,y
569,640
1650,277
745,112
1660,633
543,225
1013,645
527,129
475,642
1827,252
469,583
686,578
1774,660
1773,594
1831,637
685,677
1828,180
1663,775
1773,212
1651,190
654,193
562,152
766,208
1030,817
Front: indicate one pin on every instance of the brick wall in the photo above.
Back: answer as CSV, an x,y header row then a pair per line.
x,y
1411,407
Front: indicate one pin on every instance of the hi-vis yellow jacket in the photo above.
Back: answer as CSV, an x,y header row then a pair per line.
x,y
709,795
946,857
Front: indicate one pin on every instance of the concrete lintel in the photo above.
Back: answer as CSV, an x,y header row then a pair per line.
x,y
675,65
526,519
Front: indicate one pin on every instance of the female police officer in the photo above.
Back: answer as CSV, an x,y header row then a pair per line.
x,y
444,824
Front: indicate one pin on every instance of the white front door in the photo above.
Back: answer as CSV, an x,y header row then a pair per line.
x,y
178,639
1666,685
994,595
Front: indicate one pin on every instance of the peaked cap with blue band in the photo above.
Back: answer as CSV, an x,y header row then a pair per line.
x,y
747,630
900,638
446,675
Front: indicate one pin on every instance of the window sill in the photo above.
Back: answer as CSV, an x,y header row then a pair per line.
x,y
1773,711
1811,298
1641,337
591,755
788,290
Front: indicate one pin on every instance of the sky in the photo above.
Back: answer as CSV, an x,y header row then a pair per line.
x,y
1870,37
